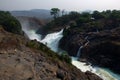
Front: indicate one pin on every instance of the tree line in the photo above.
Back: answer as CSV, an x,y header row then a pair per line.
x,y
95,19
10,23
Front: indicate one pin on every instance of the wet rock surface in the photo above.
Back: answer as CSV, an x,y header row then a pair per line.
x,y
102,50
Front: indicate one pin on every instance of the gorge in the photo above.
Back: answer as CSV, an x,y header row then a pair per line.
x,y
52,41
25,59
60,40
92,40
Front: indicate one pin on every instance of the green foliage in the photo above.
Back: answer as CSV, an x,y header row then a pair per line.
x,y
106,13
74,15
55,12
66,32
49,53
10,23
65,57
115,15
32,44
85,21
97,15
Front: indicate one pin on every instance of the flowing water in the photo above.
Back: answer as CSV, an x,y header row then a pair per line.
x,y
52,41
105,74
79,51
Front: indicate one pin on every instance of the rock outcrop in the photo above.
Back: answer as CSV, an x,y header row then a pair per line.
x,y
102,50
21,62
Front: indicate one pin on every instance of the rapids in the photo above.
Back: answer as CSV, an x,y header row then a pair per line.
x,y
52,41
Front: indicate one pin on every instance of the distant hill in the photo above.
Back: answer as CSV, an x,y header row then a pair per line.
x,y
39,13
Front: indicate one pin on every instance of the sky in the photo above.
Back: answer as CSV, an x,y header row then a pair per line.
x,y
69,5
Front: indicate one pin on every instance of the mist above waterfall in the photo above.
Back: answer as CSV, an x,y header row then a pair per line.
x,y
30,31
52,41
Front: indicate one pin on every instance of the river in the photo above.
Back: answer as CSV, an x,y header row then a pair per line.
x,y
52,41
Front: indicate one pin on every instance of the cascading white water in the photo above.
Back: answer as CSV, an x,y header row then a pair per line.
x,y
79,51
103,73
81,65
52,41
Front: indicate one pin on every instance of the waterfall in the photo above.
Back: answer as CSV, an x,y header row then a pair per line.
x,y
103,73
81,65
97,30
52,40
79,51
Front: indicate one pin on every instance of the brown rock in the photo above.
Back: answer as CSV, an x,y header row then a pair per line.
x,y
19,62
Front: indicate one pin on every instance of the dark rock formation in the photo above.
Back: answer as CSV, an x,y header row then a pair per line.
x,y
72,40
103,48
20,62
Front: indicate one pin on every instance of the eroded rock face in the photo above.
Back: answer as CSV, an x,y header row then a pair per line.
x,y
103,48
72,41
19,62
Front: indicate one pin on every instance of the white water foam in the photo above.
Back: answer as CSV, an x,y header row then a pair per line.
x,y
103,73
52,41
80,65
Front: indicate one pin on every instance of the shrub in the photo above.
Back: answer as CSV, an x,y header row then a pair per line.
x,y
65,57
10,23
51,54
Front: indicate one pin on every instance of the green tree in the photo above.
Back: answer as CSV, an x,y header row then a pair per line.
x,y
106,13
65,57
10,23
115,14
55,12
97,15
74,15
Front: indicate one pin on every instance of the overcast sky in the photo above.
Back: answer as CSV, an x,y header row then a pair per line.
x,y
76,5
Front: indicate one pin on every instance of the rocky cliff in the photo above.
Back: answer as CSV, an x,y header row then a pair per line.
x,y
20,61
101,48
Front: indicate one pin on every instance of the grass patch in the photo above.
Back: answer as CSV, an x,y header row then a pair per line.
x,y
51,54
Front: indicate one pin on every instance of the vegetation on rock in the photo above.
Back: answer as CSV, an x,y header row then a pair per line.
x,y
50,53
102,32
10,23
85,21
30,60
55,12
